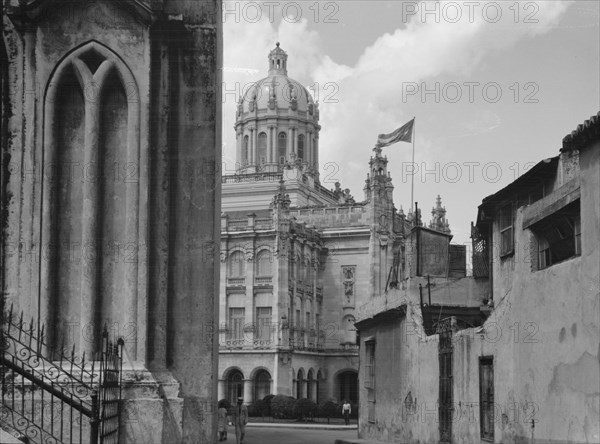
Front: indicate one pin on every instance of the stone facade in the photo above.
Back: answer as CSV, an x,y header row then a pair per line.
x,y
529,370
297,259
108,111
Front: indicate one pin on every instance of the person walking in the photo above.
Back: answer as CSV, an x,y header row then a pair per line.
x,y
240,419
346,410
222,422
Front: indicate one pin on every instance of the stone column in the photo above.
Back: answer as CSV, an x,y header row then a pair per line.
x,y
307,153
248,391
223,288
221,389
89,216
238,150
159,202
252,147
291,141
249,306
269,144
255,145
309,148
316,153
275,378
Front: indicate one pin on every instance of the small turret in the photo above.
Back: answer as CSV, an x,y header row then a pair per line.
x,y
438,220
278,61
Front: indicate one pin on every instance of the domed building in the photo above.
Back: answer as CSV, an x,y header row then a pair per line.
x,y
298,259
277,123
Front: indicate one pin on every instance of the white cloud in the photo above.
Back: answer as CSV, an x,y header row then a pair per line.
x,y
366,98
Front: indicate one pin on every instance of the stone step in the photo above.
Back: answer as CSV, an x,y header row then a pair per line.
x,y
9,436
358,441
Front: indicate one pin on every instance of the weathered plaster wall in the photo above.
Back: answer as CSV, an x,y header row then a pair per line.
x,y
407,383
548,326
176,133
348,250
542,334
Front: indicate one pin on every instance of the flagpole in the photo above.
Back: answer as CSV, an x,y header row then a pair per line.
x,y
412,182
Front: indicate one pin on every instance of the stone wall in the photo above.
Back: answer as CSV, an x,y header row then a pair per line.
x,y
111,110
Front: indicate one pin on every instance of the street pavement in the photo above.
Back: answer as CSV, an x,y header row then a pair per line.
x,y
281,435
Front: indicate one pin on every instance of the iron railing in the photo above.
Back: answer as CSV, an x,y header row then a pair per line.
x,y
51,395
480,258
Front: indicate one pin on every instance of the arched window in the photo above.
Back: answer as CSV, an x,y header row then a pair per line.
x,y
235,386
245,150
237,265
262,148
282,147
262,384
317,383
301,146
300,383
263,263
310,383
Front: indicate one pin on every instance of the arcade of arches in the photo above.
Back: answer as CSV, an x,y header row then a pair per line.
x,y
234,385
306,384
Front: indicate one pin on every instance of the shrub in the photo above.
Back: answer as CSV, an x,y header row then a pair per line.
x,y
282,406
329,409
268,400
252,411
305,409
354,410
259,408
225,403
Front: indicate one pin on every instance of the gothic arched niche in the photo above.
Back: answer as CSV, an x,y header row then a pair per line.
x,y
113,171
91,203
68,200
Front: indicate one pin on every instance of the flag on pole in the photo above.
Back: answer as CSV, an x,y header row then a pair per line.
x,y
402,134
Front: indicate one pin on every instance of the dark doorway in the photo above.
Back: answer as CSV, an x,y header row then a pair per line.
x,y
235,386
348,386
444,329
486,397
262,384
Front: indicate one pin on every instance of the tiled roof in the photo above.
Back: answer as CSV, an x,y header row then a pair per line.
x,y
585,133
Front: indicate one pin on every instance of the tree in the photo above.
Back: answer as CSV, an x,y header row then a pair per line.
x,y
328,410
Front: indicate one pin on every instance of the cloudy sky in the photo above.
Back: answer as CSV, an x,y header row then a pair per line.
x,y
494,86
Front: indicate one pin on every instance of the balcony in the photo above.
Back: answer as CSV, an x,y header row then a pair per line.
x,y
246,343
320,346
238,225
242,224
233,344
236,282
264,224
263,281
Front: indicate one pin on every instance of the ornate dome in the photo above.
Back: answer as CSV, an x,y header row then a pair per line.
x,y
277,94
277,124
